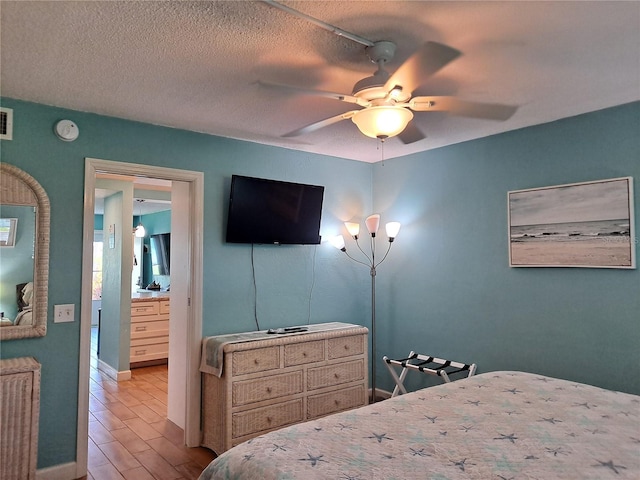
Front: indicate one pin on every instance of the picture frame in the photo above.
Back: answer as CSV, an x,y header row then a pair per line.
x,y
587,224
8,228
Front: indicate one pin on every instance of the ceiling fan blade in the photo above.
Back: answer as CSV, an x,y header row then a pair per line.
x,y
411,134
321,124
319,93
455,106
426,61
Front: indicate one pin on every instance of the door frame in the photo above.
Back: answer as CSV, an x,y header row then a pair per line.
x,y
194,313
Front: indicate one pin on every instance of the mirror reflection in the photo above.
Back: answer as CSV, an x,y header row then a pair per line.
x,y
17,241
24,254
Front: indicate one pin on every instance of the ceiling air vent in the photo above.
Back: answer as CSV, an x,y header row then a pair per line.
x,y
6,123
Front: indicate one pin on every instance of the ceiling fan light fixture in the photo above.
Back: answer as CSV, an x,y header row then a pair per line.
x,y
382,121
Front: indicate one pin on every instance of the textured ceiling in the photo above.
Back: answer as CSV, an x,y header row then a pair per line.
x,y
194,65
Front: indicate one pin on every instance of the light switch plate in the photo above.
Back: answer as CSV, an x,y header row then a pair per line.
x,y
63,313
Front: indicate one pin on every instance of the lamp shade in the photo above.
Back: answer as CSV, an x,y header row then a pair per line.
x,y
383,121
353,228
392,229
372,222
338,242
140,231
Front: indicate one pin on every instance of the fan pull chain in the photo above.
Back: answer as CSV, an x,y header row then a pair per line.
x,y
381,148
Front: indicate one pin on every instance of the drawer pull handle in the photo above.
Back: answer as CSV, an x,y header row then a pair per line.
x,y
346,347
336,375
268,419
141,352
141,329
337,402
256,361
268,389
304,354
142,309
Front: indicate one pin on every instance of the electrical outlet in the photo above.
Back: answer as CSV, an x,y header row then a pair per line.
x,y
63,313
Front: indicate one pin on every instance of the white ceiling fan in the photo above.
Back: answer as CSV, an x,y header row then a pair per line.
x,y
386,99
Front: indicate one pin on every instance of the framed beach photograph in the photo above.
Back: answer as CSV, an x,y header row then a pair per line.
x,y
589,224
8,227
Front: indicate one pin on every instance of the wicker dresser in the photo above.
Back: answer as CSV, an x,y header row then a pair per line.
x,y
279,380
19,417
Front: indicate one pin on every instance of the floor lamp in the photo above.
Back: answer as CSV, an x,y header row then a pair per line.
x,y
372,223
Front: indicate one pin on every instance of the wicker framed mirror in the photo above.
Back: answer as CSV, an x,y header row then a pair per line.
x,y
24,278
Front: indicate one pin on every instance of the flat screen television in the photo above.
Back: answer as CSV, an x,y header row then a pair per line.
x,y
160,253
273,212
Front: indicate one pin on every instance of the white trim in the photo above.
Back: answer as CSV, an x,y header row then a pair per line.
x,y
64,471
194,319
380,393
113,373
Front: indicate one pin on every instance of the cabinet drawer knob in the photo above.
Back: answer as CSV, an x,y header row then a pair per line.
x,y
337,402
304,354
268,389
346,347
256,361
337,375
268,419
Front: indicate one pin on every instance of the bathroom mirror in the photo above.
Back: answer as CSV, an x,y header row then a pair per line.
x,y
24,277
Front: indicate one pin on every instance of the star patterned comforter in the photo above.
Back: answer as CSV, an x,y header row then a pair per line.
x,y
498,425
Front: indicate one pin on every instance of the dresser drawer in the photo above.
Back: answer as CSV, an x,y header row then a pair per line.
x,y
341,347
149,351
301,353
164,307
144,308
337,374
326,403
258,360
250,391
149,329
267,418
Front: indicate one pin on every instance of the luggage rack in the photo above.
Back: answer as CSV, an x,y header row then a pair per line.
x,y
425,364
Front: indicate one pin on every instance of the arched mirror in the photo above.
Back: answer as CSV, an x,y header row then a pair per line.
x,y
24,254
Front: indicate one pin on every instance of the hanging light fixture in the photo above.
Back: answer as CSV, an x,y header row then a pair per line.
x,y
140,230
383,121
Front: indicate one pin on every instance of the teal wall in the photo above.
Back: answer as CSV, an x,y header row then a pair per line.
x,y
295,284
16,263
447,289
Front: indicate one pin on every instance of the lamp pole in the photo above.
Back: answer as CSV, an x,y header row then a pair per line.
x,y
373,332
372,223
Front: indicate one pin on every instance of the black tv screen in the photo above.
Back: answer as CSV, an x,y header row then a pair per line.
x,y
274,212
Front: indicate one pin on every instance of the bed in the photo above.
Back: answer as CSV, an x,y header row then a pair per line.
x,y
498,425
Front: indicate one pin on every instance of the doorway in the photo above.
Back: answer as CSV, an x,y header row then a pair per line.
x,y
188,295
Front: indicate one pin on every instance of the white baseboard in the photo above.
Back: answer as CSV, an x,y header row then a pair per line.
x,y
384,394
64,471
113,373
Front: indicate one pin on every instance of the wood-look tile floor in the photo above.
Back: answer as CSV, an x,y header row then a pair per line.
x,y
130,437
